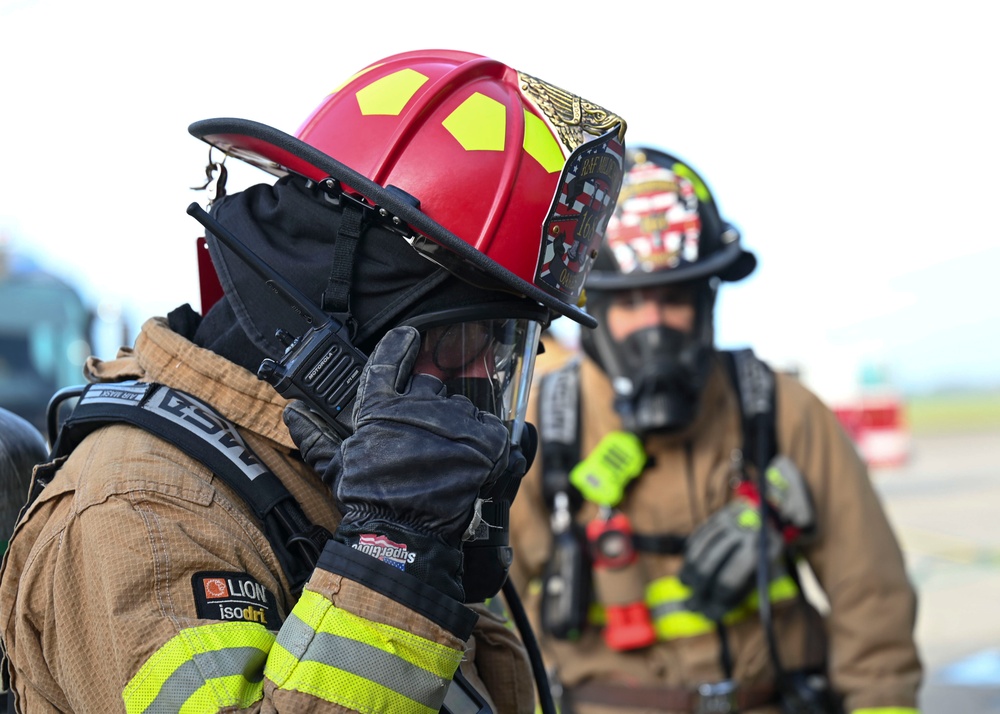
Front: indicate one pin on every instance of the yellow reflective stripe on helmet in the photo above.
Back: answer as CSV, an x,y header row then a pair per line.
x,y
348,660
202,669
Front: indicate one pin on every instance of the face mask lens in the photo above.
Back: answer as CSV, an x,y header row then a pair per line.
x,y
456,348
488,361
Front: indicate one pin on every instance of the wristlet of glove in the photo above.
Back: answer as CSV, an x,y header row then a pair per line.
x,y
407,481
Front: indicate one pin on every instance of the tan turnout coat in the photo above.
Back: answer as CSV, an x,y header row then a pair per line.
x,y
98,575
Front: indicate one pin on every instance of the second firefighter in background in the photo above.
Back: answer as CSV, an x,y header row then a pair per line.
x,y
658,581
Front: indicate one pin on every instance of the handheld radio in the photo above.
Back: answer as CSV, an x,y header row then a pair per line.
x,y
321,367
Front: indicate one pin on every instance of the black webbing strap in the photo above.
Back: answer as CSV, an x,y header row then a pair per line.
x,y
662,543
754,384
338,288
559,431
203,434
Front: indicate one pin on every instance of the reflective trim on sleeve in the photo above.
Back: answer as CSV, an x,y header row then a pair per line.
x,y
202,669
341,658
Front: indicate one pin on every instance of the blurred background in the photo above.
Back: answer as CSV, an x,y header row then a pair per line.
x,y
853,143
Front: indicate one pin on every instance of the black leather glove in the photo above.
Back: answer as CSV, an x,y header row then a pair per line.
x,y
408,480
721,556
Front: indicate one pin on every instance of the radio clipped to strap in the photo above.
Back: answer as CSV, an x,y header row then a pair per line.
x,y
203,434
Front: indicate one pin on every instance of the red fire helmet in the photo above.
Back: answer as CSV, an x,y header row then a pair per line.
x,y
502,178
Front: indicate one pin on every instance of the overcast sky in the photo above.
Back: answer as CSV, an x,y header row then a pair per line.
x,y
854,143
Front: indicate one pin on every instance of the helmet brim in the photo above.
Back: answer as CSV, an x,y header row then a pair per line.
x,y
732,263
279,154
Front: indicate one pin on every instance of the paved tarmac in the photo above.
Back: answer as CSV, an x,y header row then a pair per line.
x,y
945,507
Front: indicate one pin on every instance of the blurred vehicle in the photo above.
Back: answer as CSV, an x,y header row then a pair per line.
x,y
45,336
861,393
875,418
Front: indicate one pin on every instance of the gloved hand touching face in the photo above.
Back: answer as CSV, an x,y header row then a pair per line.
x,y
407,481
721,556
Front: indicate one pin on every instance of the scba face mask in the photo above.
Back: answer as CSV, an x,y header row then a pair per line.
x,y
658,379
658,372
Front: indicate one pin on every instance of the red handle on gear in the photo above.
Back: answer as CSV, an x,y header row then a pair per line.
x,y
628,626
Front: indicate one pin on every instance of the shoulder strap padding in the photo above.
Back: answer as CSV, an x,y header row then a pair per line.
x,y
559,431
754,383
205,435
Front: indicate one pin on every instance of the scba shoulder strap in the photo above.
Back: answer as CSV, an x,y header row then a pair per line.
x,y
203,434
755,388
559,431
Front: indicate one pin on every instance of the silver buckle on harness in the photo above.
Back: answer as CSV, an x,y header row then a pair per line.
x,y
717,698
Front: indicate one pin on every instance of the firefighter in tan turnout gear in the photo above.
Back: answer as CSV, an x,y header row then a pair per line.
x,y
679,489
294,501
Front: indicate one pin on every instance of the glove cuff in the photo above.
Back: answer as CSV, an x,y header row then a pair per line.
x,y
422,555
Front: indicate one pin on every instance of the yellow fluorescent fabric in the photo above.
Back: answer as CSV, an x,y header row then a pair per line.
x,y
345,659
175,676
665,598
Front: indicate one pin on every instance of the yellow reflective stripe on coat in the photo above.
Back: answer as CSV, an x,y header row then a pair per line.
x,y
665,598
344,659
886,710
202,669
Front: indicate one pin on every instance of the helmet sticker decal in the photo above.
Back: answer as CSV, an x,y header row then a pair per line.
x,y
656,226
572,116
583,204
